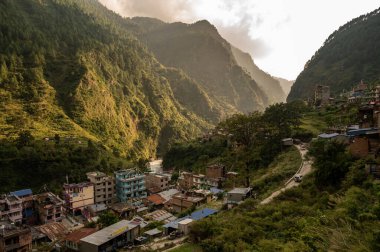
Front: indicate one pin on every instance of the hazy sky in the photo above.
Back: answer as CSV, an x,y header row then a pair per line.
x,y
281,35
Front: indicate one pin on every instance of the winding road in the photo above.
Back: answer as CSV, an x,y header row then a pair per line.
x,y
304,169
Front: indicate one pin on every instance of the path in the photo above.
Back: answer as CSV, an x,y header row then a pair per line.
x,y
304,169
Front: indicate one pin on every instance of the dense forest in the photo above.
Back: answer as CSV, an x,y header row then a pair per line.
x,y
75,68
348,55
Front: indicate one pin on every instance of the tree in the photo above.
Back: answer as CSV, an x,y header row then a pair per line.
x,y
106,219
25,138
331,162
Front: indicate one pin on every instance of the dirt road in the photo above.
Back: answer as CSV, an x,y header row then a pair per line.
x,y
304,169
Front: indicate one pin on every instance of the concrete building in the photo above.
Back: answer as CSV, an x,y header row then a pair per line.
x,y
184,226
49,207
156,182
183,202
130,184
104,187
11,208
110,238
78,196
185,180
237,195
215,171
15,239
322,95
26,196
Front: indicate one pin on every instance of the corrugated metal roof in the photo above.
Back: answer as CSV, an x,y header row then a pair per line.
x,y
22,192
200,214
109,233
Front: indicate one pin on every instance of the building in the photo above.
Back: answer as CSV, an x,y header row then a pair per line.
x,y
78,196
184,226
11,208
110,238
322,95
49,207
26,196
104,187
183,202
14,238
156,182
185,180
72,239
160,215
216,171
155,166
237,195
130,184
123,210
195,216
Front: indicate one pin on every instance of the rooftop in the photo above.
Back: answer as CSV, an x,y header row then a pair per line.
x,y
95,174
160,215
47,198
22,193
79,234
98,207
188,198
153,232
156,199
55,230
185,221
326,136
109,233
168,194
240,190
75,185
200,214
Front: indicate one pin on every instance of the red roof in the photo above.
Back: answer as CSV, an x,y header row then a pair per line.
x,y
156,199
79,234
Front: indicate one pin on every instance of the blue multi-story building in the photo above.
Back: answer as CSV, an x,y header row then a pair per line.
x,y
130,184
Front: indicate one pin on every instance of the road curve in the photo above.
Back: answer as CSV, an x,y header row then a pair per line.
x,y
304,169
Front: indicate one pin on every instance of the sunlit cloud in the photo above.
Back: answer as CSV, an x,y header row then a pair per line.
x,y
281,35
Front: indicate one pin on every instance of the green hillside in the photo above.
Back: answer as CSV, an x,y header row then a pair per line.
x,y
74,68
206,57
349,55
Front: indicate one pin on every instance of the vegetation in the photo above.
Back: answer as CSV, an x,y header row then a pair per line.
x,y
244,143
107,219
29,163
206,57
334,209
348,56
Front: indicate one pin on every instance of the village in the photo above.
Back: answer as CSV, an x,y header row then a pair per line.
x,y
66,222
150,198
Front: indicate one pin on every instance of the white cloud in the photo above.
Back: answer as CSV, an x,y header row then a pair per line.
x,y
281,35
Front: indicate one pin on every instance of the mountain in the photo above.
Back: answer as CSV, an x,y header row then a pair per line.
x,y
286,85
74,68
270,85
349,55
206,57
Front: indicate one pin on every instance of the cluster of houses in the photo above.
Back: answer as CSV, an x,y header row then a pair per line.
x,y
137,198
361,93
363,138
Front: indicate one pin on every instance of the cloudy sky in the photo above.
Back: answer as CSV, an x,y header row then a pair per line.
x,y
281,35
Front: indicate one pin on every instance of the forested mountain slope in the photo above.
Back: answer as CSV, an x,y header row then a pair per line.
x,y
266,82
349,55
73,68
206,57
